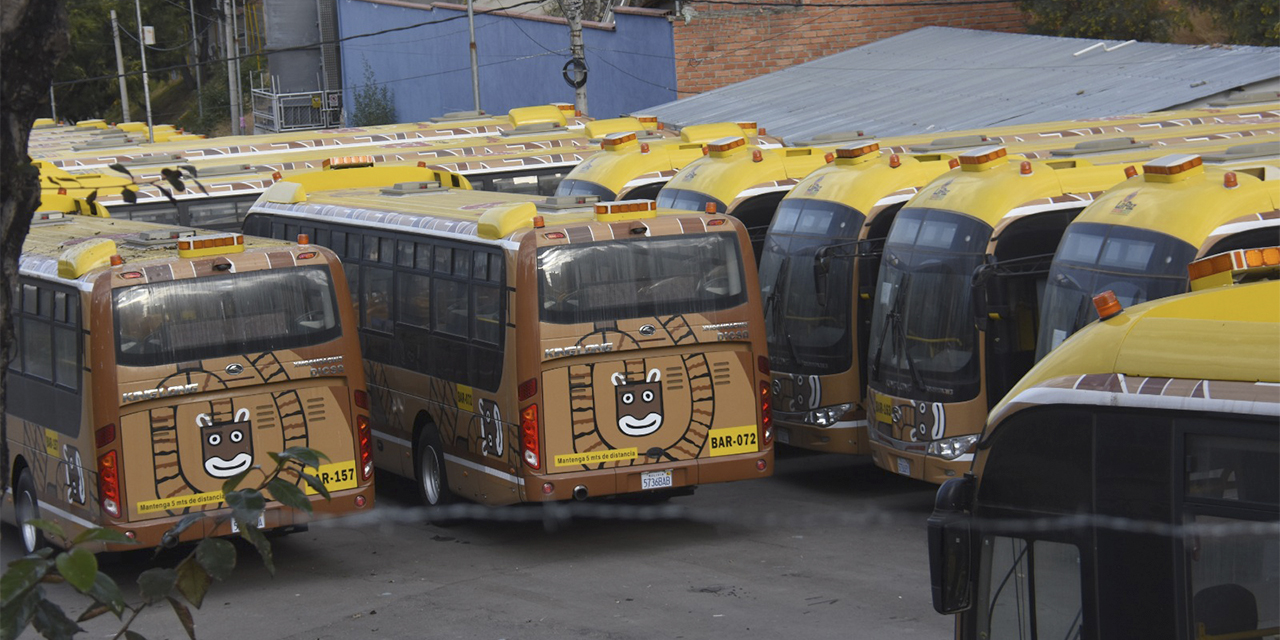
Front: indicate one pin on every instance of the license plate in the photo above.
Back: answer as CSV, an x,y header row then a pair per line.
x,y
262,523
904,466
784,435
655,479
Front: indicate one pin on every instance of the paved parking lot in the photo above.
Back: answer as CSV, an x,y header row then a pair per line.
x,y
829,547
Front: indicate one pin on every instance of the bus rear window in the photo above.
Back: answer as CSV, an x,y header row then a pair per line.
x,y
641,277
195,319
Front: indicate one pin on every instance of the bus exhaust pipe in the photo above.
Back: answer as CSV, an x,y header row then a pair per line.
x,y
580,492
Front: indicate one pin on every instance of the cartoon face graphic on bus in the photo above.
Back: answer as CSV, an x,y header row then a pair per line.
x,y
639,404
227,446
73,474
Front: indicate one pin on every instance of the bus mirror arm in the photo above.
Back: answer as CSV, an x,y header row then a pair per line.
x,y
821,270
979,285
951,546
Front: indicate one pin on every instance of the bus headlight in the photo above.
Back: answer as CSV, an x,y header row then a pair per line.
x,y
827,416
952,448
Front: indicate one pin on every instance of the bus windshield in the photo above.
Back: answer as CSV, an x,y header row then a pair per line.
x,y
576,187
199,318
1137,264
810,334
923,337
687,200
643,277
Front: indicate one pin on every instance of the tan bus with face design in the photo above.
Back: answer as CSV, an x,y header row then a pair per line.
x,y
521,349
155,362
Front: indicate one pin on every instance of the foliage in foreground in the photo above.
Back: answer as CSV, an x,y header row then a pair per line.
x,y
23,601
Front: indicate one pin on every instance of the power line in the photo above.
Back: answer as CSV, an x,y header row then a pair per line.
x,y
301,47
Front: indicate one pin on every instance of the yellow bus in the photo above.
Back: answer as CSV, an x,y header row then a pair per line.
x,y
822,255
506,362
638,169
932,374
155,362
523,163
1127,486
1137,238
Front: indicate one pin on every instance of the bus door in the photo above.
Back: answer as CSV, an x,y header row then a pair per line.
x,y
1009,290
647,361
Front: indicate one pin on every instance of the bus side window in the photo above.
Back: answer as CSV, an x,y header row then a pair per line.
x,y
66,346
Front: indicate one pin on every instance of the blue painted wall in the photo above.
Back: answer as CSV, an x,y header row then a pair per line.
x,y
428,68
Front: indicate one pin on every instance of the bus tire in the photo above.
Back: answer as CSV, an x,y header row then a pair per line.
x,y
25,508
433,483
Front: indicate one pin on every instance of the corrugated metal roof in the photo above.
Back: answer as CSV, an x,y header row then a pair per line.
x,y
944,79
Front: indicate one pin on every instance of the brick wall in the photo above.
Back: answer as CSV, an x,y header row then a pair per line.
x,y
723,44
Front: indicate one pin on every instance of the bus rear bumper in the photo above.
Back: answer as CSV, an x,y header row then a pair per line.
x,y
217,523
630,480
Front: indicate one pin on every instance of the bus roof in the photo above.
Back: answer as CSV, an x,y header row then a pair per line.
x,y
380,197
67,246
535,119
991,185
1194,206
1227,333
622,163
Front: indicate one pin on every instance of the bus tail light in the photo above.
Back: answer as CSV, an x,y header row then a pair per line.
x,y
529,436
762,363
361,398
766,412
366,446
109,483
105,435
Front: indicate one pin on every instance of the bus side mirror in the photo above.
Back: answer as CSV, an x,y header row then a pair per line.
x,y
951,546
979,285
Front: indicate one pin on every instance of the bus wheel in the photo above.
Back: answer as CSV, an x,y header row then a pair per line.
x,y
26,508
433,484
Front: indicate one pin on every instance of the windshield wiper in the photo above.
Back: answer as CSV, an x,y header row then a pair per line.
x,y
897,326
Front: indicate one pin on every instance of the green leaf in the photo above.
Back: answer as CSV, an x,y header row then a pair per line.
x,y
130,634
157,583
315,484
22,575
253,535
193,580
16,615
106,591
92,612
184,615
79,566
129,195
98,534
48,526
184,524
52,623
120,168
191,171
245,505
217,556
233,482
305,455
288,494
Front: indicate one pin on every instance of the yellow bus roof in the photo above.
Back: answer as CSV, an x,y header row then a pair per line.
x,y
989,184
383,196
1227,333
77,247
621,164
528,117
863,174
1190,209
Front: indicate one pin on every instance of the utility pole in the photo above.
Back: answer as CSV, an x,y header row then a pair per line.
x,y
475,67
53,104
195,56
235,39
576,53
233,81
124,93
146,86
